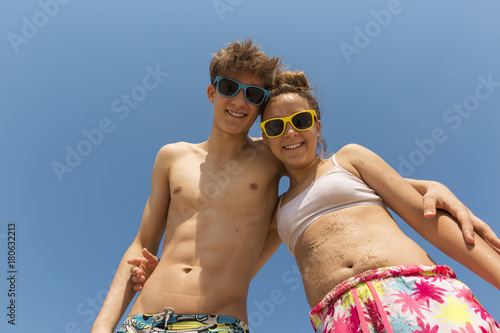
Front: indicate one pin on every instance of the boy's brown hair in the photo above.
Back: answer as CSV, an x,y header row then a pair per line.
x,y
244,56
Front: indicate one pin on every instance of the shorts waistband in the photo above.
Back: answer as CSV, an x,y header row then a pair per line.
x,y
182,322
181,318
385,272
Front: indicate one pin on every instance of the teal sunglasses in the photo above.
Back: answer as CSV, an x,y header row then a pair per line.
x,y
228,88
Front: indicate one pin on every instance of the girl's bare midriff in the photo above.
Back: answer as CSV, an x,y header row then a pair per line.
x,y
344,243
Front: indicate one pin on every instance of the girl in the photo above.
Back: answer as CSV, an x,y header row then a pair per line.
x,y
361,273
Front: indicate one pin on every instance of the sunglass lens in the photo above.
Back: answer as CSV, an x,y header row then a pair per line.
x,y
274,127
228,88
302,121
255,95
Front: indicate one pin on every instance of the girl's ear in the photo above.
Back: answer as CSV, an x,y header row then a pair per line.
x,y
318,127
211,93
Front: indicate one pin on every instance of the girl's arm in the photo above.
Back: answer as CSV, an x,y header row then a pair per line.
x,y
438,196
442,231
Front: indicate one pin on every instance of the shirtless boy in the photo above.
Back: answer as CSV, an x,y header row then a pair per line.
x,y
213,203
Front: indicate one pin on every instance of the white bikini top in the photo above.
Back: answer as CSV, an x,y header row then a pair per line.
x,y
334,190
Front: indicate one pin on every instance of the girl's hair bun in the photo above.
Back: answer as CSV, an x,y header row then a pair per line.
x,y
296,79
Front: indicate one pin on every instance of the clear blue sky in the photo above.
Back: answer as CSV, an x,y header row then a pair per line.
x,y
418,82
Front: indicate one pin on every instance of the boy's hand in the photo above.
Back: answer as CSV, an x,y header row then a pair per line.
x,y
439,196
143,269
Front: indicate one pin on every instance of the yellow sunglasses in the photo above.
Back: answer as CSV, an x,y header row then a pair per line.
x,y
301,121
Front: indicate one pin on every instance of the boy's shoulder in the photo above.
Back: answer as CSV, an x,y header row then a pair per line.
x,y
259,147
257,143
261,154
180,147
175,150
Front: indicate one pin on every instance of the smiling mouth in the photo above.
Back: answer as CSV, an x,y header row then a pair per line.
x,y
237,115
297,145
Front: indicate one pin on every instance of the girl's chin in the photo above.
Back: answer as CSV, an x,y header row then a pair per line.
x,y
294,161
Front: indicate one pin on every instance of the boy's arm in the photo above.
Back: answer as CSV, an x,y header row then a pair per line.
x,y
271,244
405,201
438,196
149,236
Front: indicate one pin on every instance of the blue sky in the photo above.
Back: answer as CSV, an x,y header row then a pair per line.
x,y
418,82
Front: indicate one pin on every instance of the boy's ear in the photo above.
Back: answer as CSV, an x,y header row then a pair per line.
x,y
211,93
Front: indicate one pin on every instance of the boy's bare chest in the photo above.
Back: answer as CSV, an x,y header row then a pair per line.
x,y
228,183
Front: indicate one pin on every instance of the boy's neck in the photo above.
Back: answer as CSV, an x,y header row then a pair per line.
x,y
225,146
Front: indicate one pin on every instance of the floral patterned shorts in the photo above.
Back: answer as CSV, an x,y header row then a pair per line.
x,y
402,299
